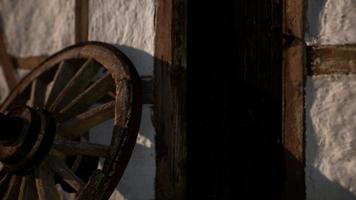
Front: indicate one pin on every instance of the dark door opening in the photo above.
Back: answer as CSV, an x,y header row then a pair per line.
x,y
234,99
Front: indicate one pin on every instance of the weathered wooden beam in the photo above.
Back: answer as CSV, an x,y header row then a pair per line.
x,y
334,59
169,98
7,63
81,20
28,62
293,100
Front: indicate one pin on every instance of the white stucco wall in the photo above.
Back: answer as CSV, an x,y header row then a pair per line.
x,y
42,27
331,22
330,107
127,24
331,137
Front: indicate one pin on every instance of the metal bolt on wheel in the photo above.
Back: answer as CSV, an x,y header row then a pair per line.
x,y
45,122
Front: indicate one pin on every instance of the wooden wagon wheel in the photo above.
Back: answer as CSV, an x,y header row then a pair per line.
x,y
48,114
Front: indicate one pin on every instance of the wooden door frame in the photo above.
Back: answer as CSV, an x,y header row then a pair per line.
x,y
293,99
170,99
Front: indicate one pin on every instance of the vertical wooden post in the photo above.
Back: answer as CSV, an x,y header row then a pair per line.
x,y
293,100
7,63
81,20
169,108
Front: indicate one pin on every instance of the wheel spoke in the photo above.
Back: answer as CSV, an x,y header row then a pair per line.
x,y
28,188
76,85
81,148
13,188
68,176
64,73
37,96
4,181
77,126
96,91
46,188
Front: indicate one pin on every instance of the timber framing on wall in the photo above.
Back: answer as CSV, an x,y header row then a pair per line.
x,y
81,20
169,108
6,62
293,100
331,59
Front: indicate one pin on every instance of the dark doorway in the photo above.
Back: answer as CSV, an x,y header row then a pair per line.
x,y
234,99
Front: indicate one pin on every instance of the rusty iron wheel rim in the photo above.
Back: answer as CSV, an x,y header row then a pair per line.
x,y
121,102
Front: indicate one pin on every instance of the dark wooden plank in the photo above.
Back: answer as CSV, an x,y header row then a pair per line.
x,y
81,148
81,20
46,188
170,83
88,97
7,63
339,59
77,126
293,101
76,85
61,169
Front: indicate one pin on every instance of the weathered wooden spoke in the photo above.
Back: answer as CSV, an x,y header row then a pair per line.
x,y
13,188
61,169
91,95
77,126
5,177
28,188
76,85
64,73
46,188
58,103
81,148
37,96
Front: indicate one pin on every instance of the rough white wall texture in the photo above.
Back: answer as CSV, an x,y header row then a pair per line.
x,y
331,137
331,107
331,22
37,27
129,25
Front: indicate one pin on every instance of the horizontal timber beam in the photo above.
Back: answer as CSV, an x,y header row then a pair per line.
x,y
335,59
28,62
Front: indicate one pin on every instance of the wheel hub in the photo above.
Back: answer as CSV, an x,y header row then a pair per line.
x,y
27,137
